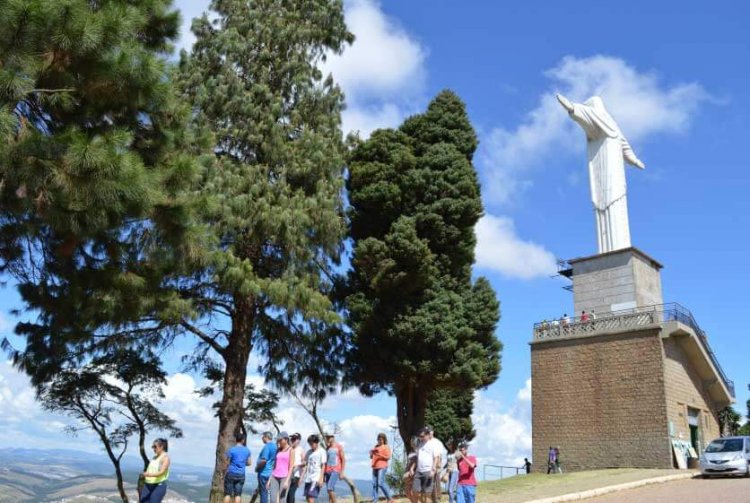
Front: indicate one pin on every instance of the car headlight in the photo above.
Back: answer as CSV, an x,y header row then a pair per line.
x,y
736,457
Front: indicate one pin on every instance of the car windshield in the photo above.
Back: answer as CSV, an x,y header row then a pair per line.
x,y
728,445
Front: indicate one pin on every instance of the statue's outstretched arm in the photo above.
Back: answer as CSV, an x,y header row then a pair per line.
x,y
629,155
565,102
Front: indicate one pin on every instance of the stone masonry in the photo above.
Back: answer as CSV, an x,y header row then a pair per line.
x,y
614,391
685,389
601,400
622,279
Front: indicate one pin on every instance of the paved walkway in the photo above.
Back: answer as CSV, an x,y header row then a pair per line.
x,y
715,490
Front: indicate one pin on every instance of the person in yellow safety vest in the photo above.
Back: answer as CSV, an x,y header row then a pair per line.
x,y
156,474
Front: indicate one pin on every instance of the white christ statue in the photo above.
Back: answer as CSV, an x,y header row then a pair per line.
x,y
607,152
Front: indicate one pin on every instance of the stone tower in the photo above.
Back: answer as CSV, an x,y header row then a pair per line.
x,y
629,381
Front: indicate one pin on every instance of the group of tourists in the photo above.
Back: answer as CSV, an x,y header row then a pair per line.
x,y
283,466
425,472
566,320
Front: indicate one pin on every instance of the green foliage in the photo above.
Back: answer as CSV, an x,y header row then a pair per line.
x,y
729,421
449,413
274,208
395,476
94,164
419,322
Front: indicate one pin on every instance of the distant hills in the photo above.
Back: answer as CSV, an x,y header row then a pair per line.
x,y
67,476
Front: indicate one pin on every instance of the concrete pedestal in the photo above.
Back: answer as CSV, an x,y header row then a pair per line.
x,y
615,281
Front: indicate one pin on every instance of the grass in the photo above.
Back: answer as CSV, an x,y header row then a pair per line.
x,y
536,485
524,488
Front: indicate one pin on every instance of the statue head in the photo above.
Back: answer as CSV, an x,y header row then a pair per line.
x,y
596,103
602,117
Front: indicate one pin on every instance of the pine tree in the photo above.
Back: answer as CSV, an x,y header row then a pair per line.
x,y
275,211
92,170
94,165
419,322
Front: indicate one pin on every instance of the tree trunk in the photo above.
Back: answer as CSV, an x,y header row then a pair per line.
x,y
231,411
411,404
140,424
352,488
120,485
116,463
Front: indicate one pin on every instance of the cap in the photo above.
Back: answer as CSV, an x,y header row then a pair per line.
x,y
282,434
295,436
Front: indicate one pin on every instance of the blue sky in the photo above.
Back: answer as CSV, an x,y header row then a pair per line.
x,y
674,75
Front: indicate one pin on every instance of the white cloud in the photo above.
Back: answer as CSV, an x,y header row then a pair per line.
x,y
383,60
189,9
503,436
17,398
23,422
5,323
366,119
499,248
524,394
382,73
639,101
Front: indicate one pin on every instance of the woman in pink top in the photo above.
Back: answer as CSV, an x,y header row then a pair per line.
x,y
278,482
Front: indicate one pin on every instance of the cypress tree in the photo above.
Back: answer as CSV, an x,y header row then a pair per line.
x,y
449,414
275,211
419,321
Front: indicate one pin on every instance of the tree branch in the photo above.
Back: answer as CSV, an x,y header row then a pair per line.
x,y
204,337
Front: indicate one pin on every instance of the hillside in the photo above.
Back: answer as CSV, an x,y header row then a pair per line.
x,y
61,476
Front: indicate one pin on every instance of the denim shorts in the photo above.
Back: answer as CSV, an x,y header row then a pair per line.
x,y
331,478
233,484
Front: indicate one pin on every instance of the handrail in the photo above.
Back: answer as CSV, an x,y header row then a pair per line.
x,y
637,316
516,468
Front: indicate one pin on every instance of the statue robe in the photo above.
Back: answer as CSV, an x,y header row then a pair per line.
x,y
607,152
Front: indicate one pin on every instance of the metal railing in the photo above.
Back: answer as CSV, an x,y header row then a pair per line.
x,y
516,470
629,318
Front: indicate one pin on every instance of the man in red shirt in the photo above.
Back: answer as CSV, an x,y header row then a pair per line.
x,y
467,484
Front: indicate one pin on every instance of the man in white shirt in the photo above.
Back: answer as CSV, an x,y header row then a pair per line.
x,y
312,473
428,463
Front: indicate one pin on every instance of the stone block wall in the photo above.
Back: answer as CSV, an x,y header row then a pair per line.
x,y
601,400
684,388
